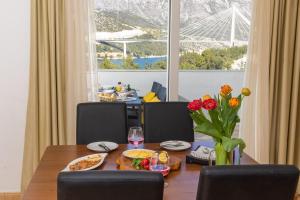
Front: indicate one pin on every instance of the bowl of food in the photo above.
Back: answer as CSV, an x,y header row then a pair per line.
x,y
138,153
107,97
156,162
86,162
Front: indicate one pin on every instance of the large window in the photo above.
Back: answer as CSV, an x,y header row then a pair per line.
x,y
214,36
133,37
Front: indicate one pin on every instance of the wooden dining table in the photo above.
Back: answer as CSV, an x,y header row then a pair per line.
x,y
182,184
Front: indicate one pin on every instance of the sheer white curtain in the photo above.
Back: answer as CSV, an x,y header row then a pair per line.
x,y
81,58
255,117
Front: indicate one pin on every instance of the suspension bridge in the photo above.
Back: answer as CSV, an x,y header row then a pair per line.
x,y
229,27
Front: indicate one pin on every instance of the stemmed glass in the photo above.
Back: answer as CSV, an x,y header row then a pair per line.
x,y
135,136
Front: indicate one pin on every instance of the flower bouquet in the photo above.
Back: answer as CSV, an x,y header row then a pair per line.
x,y
217,117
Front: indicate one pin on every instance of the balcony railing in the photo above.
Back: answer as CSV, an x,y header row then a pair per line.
x,y
192,83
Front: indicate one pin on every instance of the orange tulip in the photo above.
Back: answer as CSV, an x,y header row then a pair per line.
x,y
225,90
234,102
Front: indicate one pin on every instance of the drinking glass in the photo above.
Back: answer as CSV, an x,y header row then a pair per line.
x,y
135,136
158,164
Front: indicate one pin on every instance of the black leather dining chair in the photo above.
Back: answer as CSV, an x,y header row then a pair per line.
x,y
155,87
248,182
167,121
162,94
101,122
110,185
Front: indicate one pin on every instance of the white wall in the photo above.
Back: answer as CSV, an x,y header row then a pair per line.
x,y
14,70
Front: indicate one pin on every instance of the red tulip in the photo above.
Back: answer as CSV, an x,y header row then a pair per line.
x,y
195,105
209,104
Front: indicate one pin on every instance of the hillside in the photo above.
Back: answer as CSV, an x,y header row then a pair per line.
x,y
113,21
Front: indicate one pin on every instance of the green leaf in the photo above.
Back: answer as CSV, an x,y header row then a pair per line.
x,y
198,117
230,144
231,127
208,129
136,163
230,117
214,116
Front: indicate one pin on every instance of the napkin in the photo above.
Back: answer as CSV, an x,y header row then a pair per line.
x,y
203,153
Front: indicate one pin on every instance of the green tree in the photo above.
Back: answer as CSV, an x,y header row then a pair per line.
x,y
191,60
157,65
107,64
212,58
143,49
129,64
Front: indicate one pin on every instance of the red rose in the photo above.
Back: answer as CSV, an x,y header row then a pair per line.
x,y
195,105
209,104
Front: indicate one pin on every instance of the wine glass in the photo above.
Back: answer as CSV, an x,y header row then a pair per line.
x,y
135,136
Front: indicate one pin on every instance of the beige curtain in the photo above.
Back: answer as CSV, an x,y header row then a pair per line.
x,y
271,117
62,73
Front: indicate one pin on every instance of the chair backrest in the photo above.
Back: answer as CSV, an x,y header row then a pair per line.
x,y
248,182
156,87
162,94
101,122
167,121
110,185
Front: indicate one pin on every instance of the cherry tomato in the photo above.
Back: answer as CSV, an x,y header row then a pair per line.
x,y
146,167
144,162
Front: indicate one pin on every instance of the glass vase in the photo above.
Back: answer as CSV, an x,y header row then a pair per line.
x,y
223,157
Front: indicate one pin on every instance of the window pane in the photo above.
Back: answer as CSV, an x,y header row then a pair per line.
x,y
213,46
132,42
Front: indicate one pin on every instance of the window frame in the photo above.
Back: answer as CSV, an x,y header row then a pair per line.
x,y
173,50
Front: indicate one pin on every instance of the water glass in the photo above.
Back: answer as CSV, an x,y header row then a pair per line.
x,y
159,164
136,136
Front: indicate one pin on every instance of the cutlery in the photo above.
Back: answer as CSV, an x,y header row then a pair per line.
x,y
106,148
197,147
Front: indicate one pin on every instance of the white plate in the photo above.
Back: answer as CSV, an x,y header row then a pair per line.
x,y
107,87
175,145
103,155
95,146
108,91
127,99
127,152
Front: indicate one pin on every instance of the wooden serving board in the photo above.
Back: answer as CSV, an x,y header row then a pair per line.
x,y
126,163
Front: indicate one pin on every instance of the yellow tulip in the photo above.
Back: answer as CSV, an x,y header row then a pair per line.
x,y
205,97
246,91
